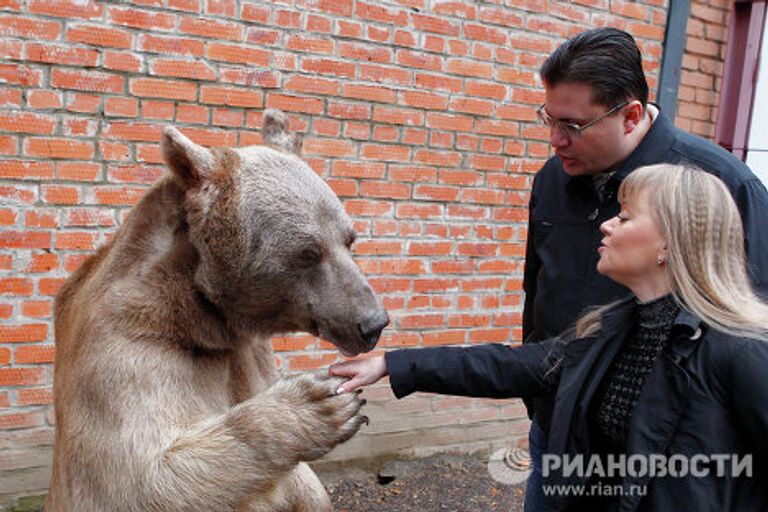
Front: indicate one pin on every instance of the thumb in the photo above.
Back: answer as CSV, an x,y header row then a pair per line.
x,y
341,370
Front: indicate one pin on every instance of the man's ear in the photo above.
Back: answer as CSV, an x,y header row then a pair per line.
x,y
189,162
274,132
633,116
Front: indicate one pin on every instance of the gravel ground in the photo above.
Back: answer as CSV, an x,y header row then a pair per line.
x,y
454,483
451,483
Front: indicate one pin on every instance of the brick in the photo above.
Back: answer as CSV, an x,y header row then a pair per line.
x,y
37,309
485,33
239,54
211,29
35,396
438,158
230,96
255,13
369,93
54,147
400,116
100,36
21,75
435,193
59,54
57,194
154,109
473,106
42,99
137,18
133,131
328,147
89,217
425,100
157,88
310,362
75,240
14,285
121,107
16,194
118,196
174,45
434,24
7,217
50,285
95,81
419,60
19,420
295,103
310,44
466,67
182,69
113,150
42,262
318,24
24,333
384,190
66,9
312,85
381,14
22,122
34,354
20,377
11,50
384,74
412,173
14,26
227,117
263,36
10,97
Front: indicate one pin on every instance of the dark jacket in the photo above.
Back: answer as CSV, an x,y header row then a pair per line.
x,y
707,394
561,279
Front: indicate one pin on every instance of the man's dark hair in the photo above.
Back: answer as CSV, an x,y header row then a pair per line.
x,y
608,59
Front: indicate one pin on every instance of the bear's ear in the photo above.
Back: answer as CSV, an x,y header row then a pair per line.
x,y
189,163
275,134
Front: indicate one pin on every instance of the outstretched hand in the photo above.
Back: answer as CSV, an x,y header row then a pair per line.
x,y
360,372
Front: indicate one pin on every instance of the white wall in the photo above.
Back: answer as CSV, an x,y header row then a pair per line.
x,y
757,156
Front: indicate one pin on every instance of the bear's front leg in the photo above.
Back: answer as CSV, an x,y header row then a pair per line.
x,y
299,491
240,457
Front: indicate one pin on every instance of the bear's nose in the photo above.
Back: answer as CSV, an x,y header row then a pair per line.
x,y
370,329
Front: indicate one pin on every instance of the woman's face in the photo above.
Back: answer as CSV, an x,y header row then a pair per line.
x,y
631,249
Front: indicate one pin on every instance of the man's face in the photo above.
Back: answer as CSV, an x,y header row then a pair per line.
x,y
599,147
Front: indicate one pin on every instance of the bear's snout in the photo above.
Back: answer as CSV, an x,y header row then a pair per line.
x,y
370,329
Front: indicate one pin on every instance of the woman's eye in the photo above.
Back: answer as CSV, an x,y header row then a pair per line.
x,y
622,218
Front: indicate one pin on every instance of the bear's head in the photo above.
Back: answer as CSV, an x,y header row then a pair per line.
x,y
273,240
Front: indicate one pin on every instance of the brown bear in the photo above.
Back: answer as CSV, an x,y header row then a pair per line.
x,y
166,392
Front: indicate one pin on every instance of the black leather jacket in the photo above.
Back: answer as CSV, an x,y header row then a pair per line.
x,y
561,278
707,394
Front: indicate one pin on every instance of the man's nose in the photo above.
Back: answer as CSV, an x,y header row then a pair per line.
x,y
556,137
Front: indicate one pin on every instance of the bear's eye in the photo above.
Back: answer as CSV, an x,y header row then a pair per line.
x,y
350,240
311,257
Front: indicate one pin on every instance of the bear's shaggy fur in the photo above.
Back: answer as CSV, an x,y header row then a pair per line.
x,y
166,393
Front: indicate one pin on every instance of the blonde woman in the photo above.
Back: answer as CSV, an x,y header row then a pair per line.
x,y
663,395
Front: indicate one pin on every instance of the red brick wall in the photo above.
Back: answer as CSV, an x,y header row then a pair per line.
x,y
700,80
420,114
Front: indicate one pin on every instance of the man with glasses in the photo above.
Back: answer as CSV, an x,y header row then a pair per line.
x,y
601,128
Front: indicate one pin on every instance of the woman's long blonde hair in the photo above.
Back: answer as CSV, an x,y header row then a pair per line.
x,y
705,240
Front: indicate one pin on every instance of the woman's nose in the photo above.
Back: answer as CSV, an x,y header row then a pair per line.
x,y
607,226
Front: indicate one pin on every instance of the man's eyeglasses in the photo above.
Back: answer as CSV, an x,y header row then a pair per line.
x,y
573,130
